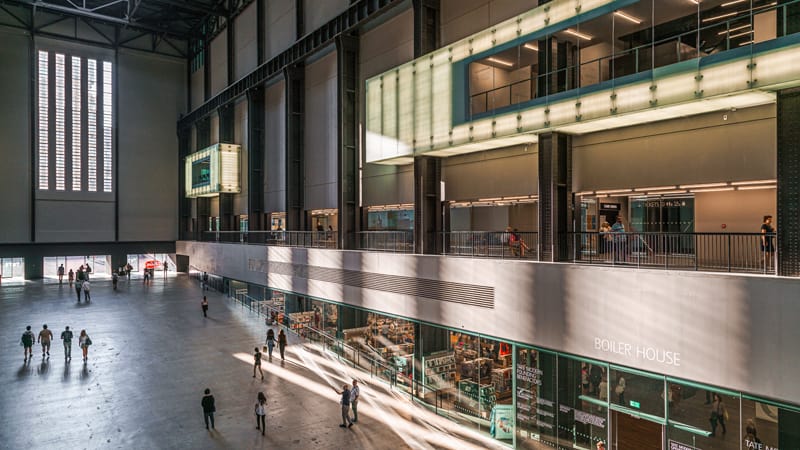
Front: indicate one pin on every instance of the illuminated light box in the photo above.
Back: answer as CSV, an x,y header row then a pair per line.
x,y
213,170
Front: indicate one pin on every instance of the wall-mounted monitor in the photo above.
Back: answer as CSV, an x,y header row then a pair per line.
x,y
213,170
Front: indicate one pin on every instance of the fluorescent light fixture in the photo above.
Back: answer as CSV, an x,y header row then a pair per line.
x,y
579,194
629,17
533,47
743,33
704,185
741,27
694,2
660,188
518,197
752,188
493,199
734,2
721,16
615,191
746,43
578,35
675,191
500,61
743,183
714,189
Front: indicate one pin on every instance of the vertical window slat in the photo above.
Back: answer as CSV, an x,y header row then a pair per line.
x,y
107,121
76,123
60,122
91,75
44,129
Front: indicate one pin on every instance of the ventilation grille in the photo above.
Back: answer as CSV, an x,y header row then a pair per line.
x,y
443,291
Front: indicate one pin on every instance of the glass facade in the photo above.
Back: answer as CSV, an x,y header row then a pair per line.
x,y
528,397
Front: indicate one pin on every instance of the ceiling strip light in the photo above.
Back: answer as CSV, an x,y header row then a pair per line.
x,y
752,188
615,191
577,34
714,189
741,27
660,188
628,17
533,47
743,33
676,191
721,16
732,3
741,183
705,185
500,61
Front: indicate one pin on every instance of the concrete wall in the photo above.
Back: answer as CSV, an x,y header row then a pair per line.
x,y
733,331
275,148
319,13
153,97
496,173
739,211
241,121
198,96
698,149
15,127
462,18
321,137
246,45
218,63
279,17
386,185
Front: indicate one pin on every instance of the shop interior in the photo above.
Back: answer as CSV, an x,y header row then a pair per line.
x,y
12,269
99,264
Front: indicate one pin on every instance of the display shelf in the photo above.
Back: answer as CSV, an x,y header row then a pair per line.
x,y
440,370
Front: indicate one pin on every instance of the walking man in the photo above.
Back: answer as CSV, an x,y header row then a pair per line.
x,y
257,363
205,281
78,288
345,402
27,342
204,305
60,272
45,336
66,336
208,407
70,277
86,288
282,343
355,392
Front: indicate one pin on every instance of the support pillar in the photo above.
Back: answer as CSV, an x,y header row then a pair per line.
x,y
261,51
788,172
427,204
294,77
184,204
227,120
426,26
347,76
203,205
255,158
555,196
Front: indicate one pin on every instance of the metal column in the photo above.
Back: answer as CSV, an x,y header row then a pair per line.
x,y
347,61
788,171
294,77
255,158
555,196
227,124
203,209
427,204
426,26
184,204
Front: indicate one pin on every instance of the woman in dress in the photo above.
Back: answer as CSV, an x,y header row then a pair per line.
x,y
84,342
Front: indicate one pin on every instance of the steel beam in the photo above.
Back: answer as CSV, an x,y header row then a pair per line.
x,y
348,95
295,154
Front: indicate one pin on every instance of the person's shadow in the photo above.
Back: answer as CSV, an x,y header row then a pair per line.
x,y
24,371
44,368
85,373
66,375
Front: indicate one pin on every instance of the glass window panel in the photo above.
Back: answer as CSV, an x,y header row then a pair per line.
x,y
44,127
637,392
107,125
60,84
581,421
91,75
76,123
702,418
536,399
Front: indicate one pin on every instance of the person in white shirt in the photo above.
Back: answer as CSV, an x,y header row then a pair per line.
x,y
354,394
86,288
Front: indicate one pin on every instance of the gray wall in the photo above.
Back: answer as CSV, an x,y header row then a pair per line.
x,y
461,18
698,149
321,135
240,201
496,173
151,100
15,128
246,48
275,148
319,13
733,331
218,63
279,17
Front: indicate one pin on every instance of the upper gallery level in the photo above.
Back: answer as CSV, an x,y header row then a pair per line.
x,y
580,66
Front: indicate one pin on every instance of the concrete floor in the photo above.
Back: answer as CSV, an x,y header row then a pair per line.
x,y
153,355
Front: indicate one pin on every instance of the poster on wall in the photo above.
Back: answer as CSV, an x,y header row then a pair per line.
x,y
502,422
391,220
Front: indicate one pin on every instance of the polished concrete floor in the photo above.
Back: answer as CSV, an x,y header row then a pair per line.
x,y
153,353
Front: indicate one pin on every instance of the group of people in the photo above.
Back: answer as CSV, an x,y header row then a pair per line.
x,y
80,278
46,336
270,345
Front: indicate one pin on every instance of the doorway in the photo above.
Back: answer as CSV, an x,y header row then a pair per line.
x,y
629,432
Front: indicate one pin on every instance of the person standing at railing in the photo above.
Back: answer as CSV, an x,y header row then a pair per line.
x,y
606,238
767,242
619,239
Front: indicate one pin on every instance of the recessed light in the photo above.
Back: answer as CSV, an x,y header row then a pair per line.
x,y
500,61
578,34
628,17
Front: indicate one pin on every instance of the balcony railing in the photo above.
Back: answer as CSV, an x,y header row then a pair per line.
x,y
399,241
491,244
309,239
725,252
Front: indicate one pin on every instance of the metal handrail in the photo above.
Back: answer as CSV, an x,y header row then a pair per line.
x,y
308,239
491,244
398,241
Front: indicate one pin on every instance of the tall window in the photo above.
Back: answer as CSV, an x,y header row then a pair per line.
x,y
75,123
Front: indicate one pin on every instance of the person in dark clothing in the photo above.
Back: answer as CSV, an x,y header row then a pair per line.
x,y
79,288
208,408
257,363
261,413
27,342
345,402
204,305
270,342
282,343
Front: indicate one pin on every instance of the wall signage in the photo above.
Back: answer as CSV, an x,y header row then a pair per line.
x,y
638,351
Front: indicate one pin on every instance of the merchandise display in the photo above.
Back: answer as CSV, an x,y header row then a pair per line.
x,y
440,370
474,395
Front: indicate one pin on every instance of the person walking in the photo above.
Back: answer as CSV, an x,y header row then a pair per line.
x,y
345,402
204,305
282,343
620,390
355,394
208,408
128,269
718,413
66,336
78,288
257,363
45,336
84,342
114,280
619,240
204,281
261,413
270,342
166,266
87,287
146,276
767,243
27,343
70,277
60,272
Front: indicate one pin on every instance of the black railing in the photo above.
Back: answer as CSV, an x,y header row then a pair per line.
x,y
398,241
727,252
308,239
491,244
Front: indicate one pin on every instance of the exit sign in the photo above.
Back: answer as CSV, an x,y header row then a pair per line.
x,y
635,404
